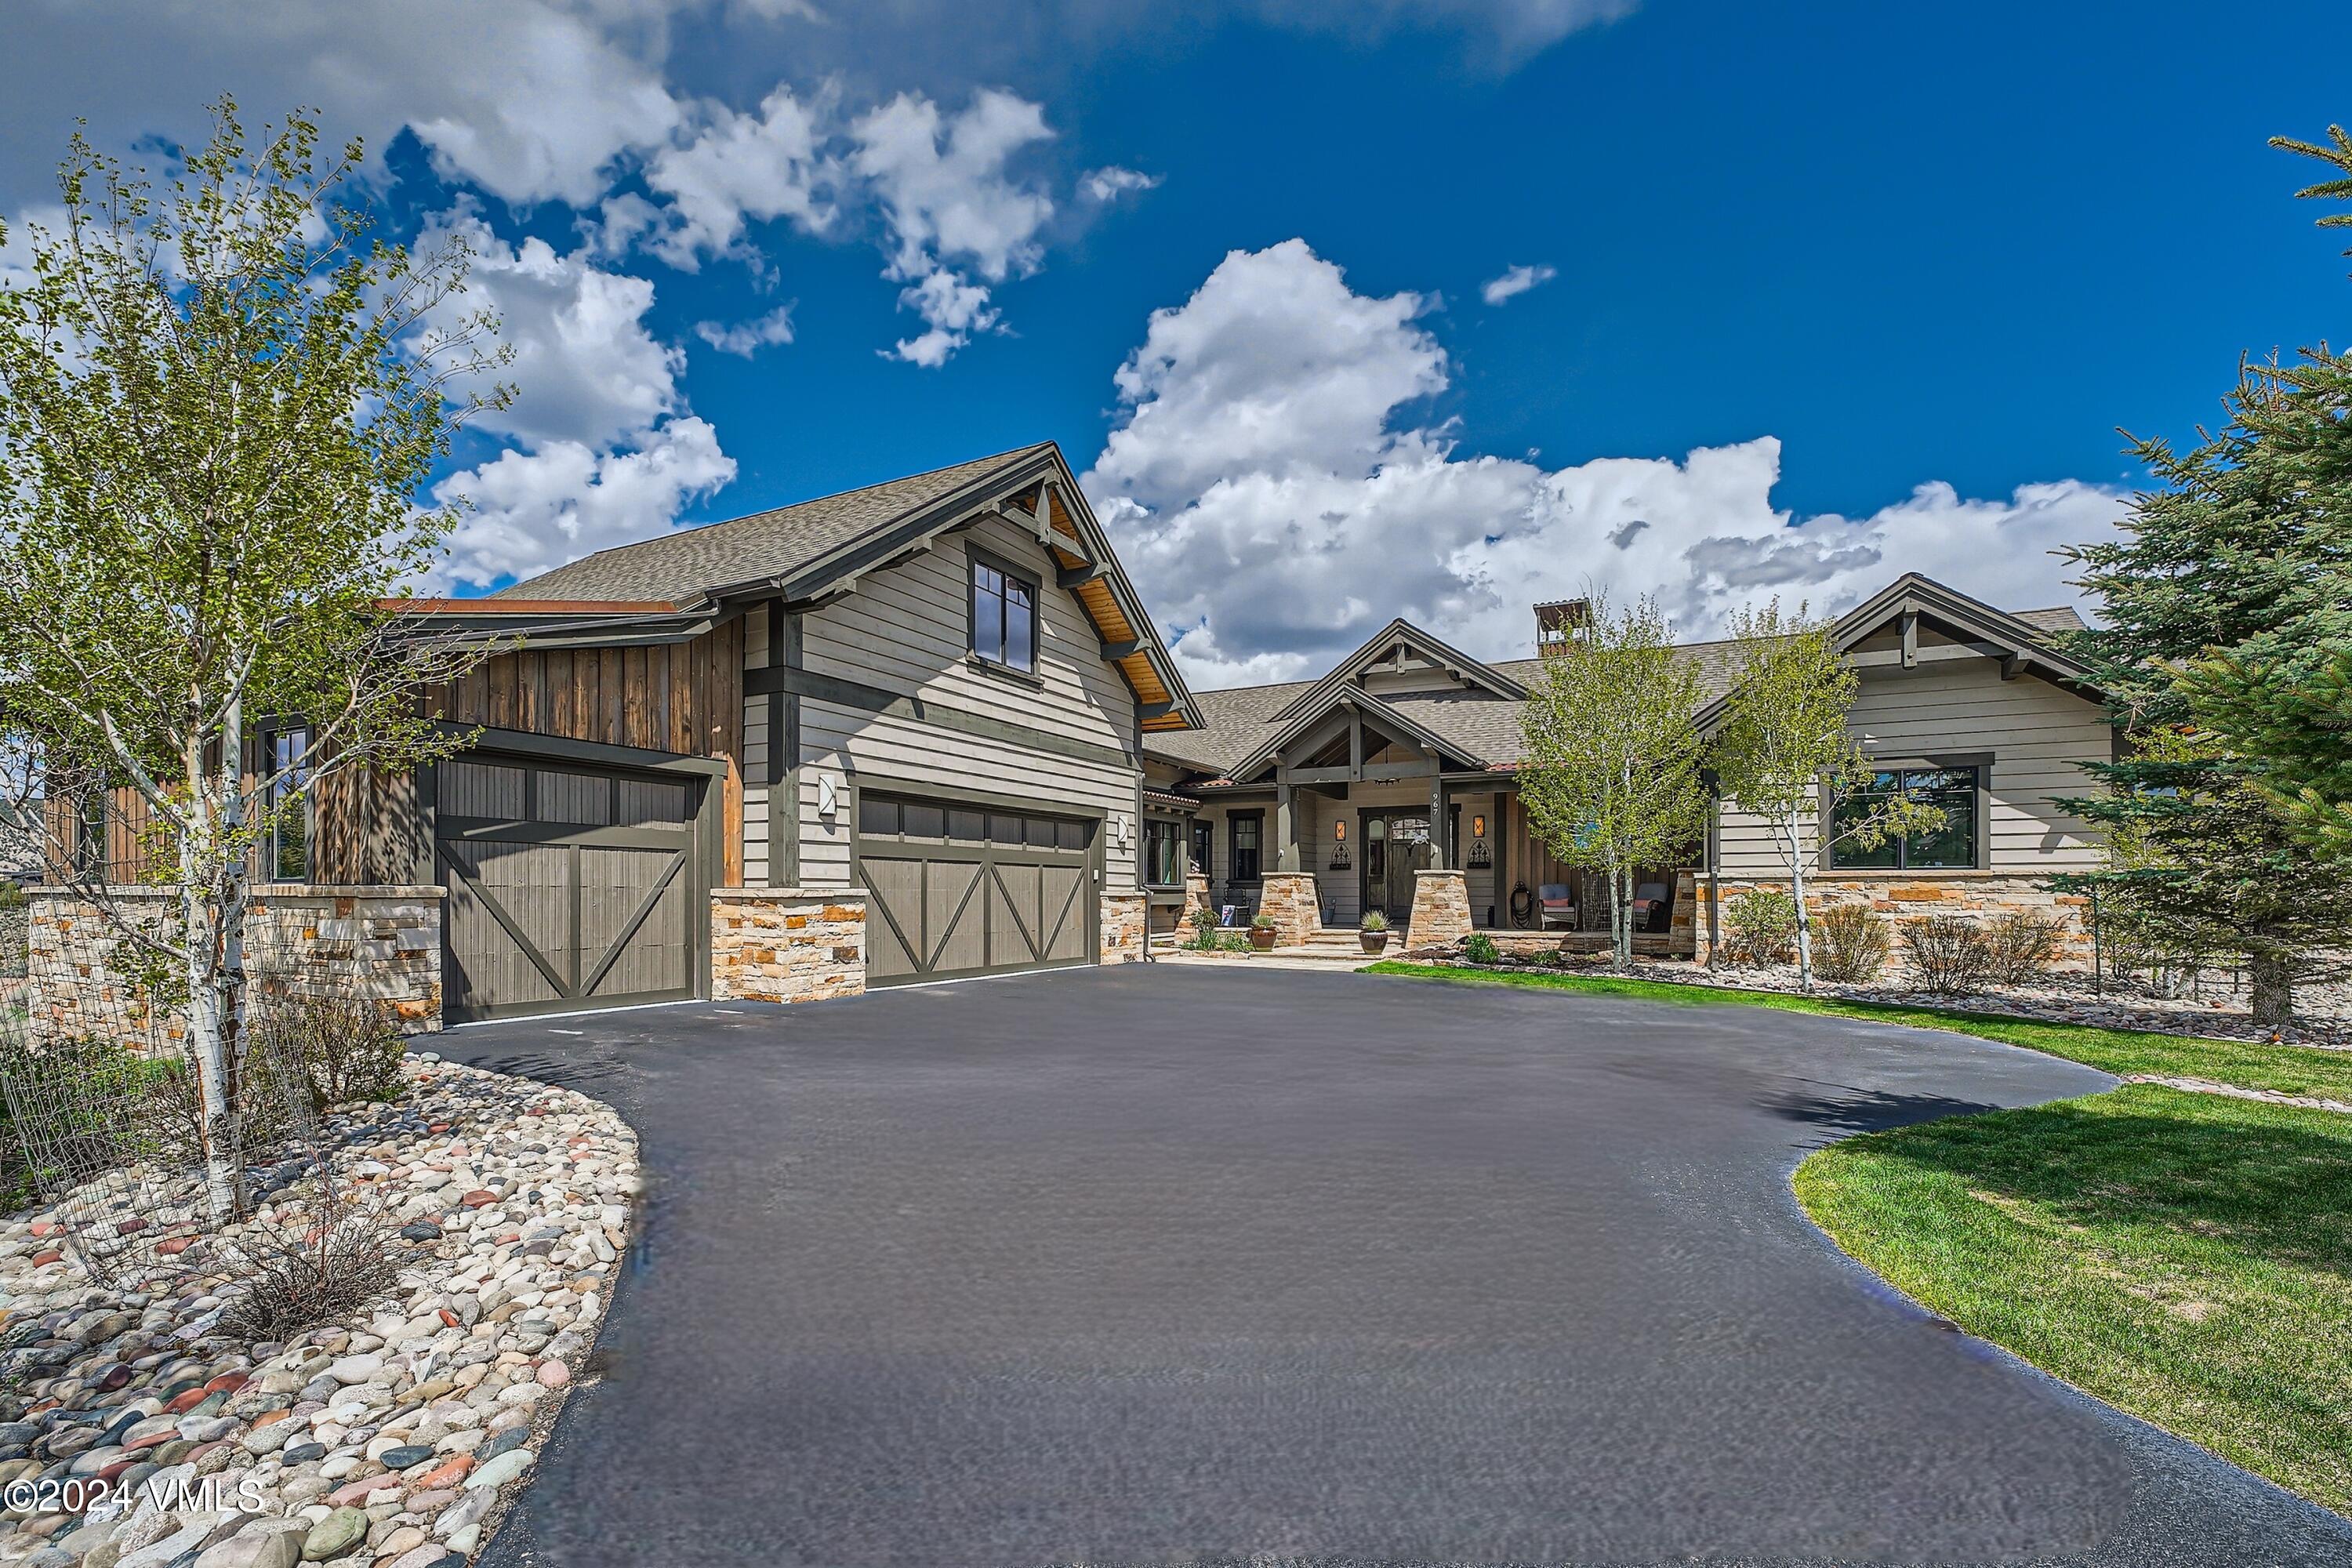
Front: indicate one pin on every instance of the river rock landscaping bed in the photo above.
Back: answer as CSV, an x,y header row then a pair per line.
x,y
2323,1010
138,1430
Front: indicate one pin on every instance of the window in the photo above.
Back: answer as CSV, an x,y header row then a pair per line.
x,y
893,817
1204,838
286,755
1246,826
1952,847
1003,615
89,860
1163,853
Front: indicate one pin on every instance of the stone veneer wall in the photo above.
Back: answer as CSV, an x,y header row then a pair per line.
x,y
786,944
1290,898
302,939
1440,912
1124,916
1912,896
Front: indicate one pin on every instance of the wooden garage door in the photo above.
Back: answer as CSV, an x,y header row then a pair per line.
x,y
569,887
955,889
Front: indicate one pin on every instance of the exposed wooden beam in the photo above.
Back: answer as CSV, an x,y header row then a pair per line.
x,y
1079,576
1910,638
2012,667
1151,710
1113,652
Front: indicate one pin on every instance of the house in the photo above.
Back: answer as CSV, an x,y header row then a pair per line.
x,y
926,730
1388,783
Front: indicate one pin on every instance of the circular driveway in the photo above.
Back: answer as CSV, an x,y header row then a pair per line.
x,y
1165,1264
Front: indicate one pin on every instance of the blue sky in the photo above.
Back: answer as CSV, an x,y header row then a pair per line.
x,y
1796,263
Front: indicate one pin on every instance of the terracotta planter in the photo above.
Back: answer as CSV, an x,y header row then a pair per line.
x,y
1261,938
1374,940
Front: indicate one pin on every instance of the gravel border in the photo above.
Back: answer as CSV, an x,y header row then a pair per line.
x,y
395,1438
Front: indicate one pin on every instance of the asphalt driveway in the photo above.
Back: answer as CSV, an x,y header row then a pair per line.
x,y
1161,1265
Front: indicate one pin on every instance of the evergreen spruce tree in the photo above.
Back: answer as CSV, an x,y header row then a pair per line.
x,y
2224,650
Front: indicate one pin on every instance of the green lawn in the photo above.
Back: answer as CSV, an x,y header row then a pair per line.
x,y
2308,1070
2187,1258
2184,1256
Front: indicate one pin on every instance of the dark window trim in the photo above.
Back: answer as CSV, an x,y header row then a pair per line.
x,y
1233,819
1174,825
994,664
1981,835
93,814
273,846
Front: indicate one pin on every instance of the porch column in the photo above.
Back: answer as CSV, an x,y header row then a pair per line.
x,y
1286,828
1438,821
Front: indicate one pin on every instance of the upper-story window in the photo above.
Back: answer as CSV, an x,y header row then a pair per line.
x,y
1003,614
287,849
1952,847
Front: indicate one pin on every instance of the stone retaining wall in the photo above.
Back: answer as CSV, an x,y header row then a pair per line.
x,y
85,974
786,944
1912,896
1124,916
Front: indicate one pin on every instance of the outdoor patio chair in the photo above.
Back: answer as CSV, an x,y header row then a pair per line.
x,y
1558,904
1650,906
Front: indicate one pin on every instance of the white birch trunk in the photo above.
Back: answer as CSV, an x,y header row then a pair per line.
x,y
1804,921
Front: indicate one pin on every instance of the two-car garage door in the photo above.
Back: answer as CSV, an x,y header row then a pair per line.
x,y
960,890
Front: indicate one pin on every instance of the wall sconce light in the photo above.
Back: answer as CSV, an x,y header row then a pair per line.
x,y
1478,825
1339,831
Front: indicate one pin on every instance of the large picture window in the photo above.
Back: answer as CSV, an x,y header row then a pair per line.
x,y
288,846
1952,847
1247,827
1163,853
1003,615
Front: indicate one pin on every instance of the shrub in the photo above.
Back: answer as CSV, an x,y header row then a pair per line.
x,y
1851,944
1760,926
1374,920
1480,949
2020,945
301,1270
1230,941
1949,954
341,1047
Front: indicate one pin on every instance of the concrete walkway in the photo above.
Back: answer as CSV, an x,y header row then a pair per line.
x,y
1147,1265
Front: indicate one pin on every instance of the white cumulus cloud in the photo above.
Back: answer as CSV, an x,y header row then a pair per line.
x,y
533,510
1108,184
729,168
1515,282
1278,501
747,338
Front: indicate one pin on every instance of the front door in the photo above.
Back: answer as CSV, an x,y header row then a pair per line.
x,y
1408,852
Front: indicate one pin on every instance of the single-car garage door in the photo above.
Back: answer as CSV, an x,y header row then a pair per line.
x,y
569,886
956,889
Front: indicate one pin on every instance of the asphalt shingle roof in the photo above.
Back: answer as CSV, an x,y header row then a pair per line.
x,y
1237,718
678,568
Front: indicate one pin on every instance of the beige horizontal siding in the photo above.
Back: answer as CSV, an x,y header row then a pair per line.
x,y
2037,734
904,631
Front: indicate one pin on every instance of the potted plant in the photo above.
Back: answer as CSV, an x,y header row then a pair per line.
x,y
1374,931
1262,932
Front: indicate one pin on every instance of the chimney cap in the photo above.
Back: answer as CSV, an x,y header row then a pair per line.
x,y
1561,619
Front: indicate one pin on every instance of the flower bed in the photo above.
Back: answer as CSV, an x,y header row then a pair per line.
x,y
140,1430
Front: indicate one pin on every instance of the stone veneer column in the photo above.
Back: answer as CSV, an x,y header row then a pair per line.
x,y
1440,912
1124,917
1291,899
1196,897
786,944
